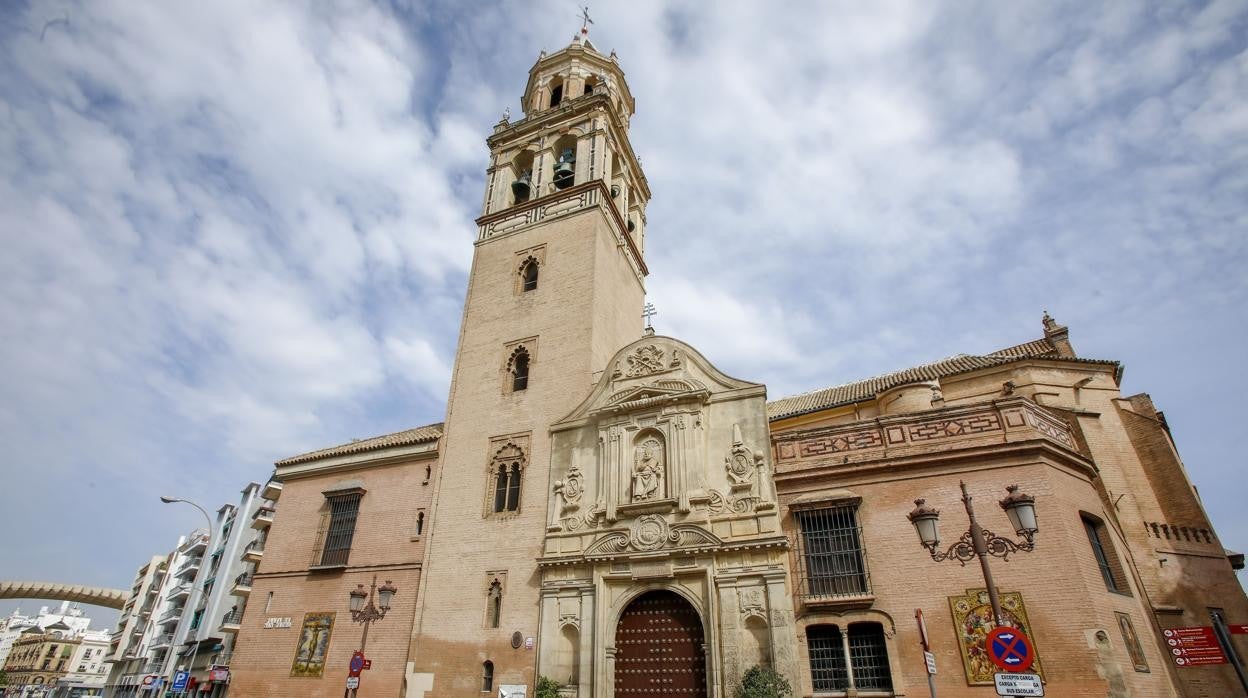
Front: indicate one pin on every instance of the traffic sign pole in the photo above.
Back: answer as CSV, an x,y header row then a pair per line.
x,y
931,678
1224,639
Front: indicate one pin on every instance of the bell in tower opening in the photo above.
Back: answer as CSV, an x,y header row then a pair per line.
x,y
565,174
522,187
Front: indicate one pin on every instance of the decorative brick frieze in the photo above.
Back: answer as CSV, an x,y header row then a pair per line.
x,y
1010,420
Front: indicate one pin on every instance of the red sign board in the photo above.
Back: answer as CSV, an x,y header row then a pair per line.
x,y
1238,629
1009,649
1194,646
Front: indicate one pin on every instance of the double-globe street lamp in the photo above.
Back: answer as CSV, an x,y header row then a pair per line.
x,y
363,610
978,541
202,592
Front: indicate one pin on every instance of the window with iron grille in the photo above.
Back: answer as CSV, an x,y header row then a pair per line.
x,y
830,554
862,662
343,510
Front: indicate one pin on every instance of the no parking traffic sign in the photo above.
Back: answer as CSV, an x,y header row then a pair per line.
x,y
1010,649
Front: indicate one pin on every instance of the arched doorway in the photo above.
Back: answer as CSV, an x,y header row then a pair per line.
x,y
659,648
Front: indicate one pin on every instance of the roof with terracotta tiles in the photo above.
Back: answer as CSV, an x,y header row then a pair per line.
x,y
867,389
407,437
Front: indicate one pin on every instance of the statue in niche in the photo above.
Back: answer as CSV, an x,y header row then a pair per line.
x,y
648,470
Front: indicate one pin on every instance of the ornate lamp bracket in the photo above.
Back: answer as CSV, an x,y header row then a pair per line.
x,y
964,549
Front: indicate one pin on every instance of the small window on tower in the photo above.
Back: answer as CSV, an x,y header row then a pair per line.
x,y
494,610
487,676
556,93
520,371
528,274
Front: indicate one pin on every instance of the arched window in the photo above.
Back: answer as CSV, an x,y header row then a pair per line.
x,y
522,184
500,489
507,488
563,173
591,85
487,676
520,370
1103,551
506,468
494,608
528,275
556,92
513,487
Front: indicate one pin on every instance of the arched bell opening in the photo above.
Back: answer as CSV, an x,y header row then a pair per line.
x,y
556,92
660,647
592,85
522,171
565,164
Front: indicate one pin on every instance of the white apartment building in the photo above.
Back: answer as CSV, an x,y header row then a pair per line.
x,y
186,606
206,636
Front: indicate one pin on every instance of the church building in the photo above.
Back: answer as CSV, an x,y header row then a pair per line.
x,y
606,510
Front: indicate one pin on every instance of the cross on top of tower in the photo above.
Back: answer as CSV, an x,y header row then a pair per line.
x,y
585,20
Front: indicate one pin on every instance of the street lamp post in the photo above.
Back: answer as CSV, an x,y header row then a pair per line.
x,y
364,611
978,541
201,592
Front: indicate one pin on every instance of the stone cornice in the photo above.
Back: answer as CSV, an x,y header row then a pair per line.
x,y
592,194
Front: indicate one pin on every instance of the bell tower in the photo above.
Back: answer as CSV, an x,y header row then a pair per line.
x,y
556,288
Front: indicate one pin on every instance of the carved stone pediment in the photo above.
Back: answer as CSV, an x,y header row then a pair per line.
x,y
663,388
649,533
651,370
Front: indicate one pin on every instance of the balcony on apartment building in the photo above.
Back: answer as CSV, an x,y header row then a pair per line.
x,y
242,585
183,589
153,667
162,640
189,566
197,543
221,660
172,615
272,490
231,622
263,518
254,551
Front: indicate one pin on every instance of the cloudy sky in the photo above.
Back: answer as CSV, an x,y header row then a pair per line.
x,y
236,231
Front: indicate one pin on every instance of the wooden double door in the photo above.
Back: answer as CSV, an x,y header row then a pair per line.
x,y
660,650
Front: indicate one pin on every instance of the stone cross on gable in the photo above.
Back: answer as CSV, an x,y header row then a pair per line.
x,y
648,313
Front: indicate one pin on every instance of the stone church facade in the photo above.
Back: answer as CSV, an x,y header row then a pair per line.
x,y
605,508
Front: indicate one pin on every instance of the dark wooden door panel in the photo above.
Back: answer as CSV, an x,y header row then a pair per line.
x,y
659,649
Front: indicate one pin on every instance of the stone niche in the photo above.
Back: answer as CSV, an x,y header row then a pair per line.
x,y
662,480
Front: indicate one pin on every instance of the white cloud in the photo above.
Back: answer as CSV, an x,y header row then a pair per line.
x,y
235,232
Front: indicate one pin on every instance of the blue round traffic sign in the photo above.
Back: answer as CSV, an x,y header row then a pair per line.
x,y
357,663
1010,649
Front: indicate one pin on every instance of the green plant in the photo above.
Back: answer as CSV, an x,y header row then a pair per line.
x,y
547,688
763,682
